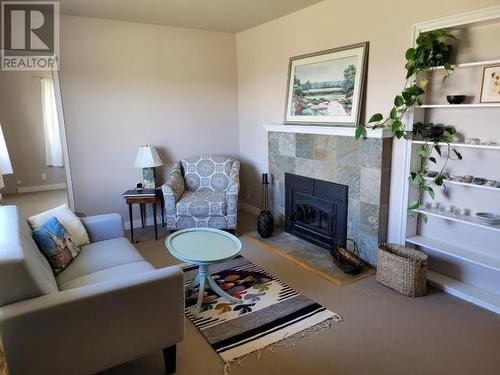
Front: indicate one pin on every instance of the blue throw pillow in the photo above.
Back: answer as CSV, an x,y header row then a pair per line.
x,y
56,244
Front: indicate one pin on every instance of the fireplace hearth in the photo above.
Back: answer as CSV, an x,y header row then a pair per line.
x,y
316,210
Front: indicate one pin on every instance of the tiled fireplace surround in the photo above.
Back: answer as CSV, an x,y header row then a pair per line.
x,y
363,165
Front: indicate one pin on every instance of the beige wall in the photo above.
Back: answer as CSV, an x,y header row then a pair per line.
x,y
263,53
22,124
128,84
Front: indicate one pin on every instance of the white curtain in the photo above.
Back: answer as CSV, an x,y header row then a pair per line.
x,y
53,146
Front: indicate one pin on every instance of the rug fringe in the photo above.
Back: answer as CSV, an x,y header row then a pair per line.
x,y
286,342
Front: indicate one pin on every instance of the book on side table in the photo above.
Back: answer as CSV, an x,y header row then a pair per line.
x,y
139,193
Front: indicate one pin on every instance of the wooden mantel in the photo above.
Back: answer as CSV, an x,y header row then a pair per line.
x,y
343,131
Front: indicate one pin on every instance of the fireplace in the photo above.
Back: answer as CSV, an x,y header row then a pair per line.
x,y
316,210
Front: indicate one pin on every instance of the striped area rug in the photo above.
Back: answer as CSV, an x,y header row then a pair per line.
x,y
271,311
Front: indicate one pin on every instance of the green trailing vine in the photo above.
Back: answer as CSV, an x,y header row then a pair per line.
x,y
431,51
434,136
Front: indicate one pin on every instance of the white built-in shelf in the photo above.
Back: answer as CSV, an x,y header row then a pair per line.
x,y
455,106
457,144
465,291
456,251
467,184
463,219
342,131
470,64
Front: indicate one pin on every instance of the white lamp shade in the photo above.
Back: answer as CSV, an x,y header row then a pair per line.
x,y
5,165
147,157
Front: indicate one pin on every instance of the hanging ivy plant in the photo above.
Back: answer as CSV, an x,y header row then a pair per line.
x,y
431,51
434,136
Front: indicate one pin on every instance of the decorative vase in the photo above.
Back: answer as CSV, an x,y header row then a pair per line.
x,y
265,220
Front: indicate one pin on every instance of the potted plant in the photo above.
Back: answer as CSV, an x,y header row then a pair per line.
x,y
432,50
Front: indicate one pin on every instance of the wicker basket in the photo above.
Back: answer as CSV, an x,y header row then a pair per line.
x,y
402,269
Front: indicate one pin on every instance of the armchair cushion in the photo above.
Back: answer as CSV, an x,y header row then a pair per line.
x,y
202,204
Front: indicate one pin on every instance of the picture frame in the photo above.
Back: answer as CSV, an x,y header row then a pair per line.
x,y
490,84
327,87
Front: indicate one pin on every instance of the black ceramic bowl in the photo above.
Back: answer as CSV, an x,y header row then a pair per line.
x,y
455,99
435,131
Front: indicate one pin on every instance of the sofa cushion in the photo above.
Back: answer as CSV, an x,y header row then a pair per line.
x,y
99,256
111,273
24,271
202,204
67,218
56,244
206,172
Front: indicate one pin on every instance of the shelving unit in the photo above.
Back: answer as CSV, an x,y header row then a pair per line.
x,y
460,106
470,64
456,251
467,184
442,241
464,291
463,219
465,145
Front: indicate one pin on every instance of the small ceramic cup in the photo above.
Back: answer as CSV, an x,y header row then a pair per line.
x,y
457,211
472,141
490,183
479,181
468,178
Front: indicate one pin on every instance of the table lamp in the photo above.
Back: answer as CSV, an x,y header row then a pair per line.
x,y
147,159
5,164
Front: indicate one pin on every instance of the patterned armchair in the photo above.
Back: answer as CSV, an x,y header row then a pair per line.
x,y
202,191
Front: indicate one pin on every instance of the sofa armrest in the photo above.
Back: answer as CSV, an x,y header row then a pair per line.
x,y
95,327
103,227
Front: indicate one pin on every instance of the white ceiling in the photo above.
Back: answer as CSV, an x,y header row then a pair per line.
x,y
217,15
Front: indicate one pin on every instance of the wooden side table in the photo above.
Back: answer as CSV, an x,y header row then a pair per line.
x,y
147,196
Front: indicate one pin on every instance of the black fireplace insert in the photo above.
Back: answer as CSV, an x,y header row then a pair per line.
x,y
316,210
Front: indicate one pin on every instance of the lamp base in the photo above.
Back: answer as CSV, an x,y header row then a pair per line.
x,y
149,178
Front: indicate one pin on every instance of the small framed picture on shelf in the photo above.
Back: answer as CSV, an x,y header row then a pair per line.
x,y
490,88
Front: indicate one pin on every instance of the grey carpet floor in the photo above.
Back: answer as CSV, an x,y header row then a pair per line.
x,y
382,333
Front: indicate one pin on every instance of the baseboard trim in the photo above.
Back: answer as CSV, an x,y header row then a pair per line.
x,y
249,208
34,189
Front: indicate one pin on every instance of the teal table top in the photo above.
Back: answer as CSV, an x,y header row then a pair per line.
x,y
203,245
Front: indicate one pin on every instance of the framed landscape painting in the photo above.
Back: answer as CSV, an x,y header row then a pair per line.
x,y
326,88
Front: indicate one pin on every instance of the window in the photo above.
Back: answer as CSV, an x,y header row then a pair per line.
x,y
53,146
